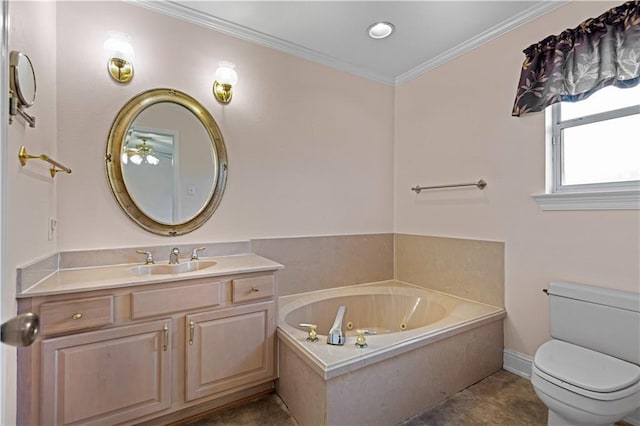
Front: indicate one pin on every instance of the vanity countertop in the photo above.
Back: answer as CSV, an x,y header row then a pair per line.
x,y
104,277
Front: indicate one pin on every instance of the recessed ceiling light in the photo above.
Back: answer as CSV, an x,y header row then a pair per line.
x,y
380,30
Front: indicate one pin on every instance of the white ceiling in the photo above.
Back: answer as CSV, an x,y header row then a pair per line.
x,y
427,33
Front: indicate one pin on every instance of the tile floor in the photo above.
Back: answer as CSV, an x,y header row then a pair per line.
x,y
500,399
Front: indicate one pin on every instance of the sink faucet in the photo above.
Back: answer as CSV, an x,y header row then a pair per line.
x,y
194,253
174,256
336,336
149,257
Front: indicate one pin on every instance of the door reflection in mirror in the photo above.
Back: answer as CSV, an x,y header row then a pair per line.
x,y
166,161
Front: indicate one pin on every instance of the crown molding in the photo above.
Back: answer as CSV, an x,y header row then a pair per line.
x,y
182,12
520,19
188,14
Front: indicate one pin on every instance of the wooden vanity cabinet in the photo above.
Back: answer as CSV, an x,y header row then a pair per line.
x,y
229,348
107,376
148,354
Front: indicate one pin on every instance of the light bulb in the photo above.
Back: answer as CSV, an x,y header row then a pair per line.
x,y
152,160
136,159
118,46
225,74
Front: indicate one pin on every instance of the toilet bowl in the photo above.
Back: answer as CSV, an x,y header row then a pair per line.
x,y
590,373
584,387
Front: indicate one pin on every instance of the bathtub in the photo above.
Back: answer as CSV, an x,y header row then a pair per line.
x,y
427,345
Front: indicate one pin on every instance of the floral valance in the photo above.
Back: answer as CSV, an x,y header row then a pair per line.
x,y
600,52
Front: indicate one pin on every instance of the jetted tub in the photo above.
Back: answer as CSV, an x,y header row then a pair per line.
x,y
427,345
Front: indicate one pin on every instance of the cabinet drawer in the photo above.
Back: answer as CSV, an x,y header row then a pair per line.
x,y
162,301
60,317
246,289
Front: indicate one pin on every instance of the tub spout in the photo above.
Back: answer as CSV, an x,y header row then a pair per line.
x,y
336,336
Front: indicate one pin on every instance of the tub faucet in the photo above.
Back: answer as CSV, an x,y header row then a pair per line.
x,y
336,336
174,256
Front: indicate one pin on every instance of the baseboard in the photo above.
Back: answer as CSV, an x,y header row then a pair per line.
x,y
520,364
517,363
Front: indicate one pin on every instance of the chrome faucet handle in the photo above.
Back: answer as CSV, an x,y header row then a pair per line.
x,y
311,330
149,259
174,256
194,253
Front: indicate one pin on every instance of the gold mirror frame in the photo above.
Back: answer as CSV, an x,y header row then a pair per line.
x,y
121,124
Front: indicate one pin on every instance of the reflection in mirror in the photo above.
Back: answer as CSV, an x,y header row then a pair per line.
x,y
23,78
22,83
166,162
152,170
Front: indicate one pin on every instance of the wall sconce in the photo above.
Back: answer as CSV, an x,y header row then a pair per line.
x,y
226,78
120,56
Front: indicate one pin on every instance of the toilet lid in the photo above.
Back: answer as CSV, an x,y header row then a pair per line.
x,y
585,368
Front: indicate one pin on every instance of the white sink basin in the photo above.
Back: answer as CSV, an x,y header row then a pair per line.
x,y
178,268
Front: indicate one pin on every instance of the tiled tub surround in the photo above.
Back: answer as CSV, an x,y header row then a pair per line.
x,y
317,263
449,344
473,269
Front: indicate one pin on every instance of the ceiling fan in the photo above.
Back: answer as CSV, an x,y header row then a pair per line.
x,y
142,153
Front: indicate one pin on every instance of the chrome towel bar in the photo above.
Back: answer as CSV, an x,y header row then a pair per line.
x,y
481,184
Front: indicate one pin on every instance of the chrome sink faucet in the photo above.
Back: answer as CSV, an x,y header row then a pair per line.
x,y
149,257
174,256
194,253
336,335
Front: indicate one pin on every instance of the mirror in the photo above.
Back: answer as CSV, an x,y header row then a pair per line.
x,y
22,78
166,162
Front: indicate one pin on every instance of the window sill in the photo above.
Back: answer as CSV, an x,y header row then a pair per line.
x,y
609,200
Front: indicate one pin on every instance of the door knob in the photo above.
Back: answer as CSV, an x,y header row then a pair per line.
x,y
21,330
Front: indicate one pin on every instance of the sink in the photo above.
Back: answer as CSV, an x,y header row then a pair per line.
x,y
178,268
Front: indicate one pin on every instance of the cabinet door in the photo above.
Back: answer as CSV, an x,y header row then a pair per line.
x,y
106,377
229,348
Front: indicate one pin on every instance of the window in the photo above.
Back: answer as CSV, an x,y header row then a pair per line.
x,y
595,151
596,141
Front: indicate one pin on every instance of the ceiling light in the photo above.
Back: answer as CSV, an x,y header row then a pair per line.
x,y
141,154
380,30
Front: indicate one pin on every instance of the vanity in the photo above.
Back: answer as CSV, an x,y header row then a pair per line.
x,y
124,342
121,346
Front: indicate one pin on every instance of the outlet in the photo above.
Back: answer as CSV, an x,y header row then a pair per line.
x,y
51,227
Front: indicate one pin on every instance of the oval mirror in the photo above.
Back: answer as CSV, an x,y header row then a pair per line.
x,y
166,162
22,78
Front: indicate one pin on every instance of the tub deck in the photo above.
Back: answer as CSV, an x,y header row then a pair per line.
x,y
399,374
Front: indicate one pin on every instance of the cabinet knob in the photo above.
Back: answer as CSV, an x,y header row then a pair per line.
x,y
76,316
254,288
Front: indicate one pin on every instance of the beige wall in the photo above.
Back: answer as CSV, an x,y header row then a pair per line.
x,y
453,125
310,148
31,193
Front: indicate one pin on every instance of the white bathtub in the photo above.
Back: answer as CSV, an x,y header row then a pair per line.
x,y
409,322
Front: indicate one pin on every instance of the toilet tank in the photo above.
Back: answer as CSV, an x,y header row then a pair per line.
x,y
602,319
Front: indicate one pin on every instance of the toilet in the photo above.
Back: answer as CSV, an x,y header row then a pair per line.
x,y
589,374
